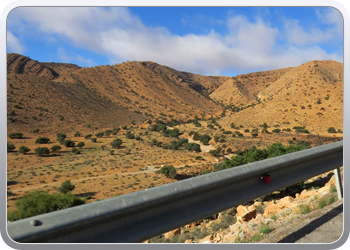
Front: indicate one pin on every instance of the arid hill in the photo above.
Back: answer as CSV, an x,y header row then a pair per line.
x,y
61,96
309,95
242,90
56,96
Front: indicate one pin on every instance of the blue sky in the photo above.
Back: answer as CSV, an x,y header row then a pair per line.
x,y
203,40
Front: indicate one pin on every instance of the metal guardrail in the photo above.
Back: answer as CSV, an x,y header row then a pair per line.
x,y
144,214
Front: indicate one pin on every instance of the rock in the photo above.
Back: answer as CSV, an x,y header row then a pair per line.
x,y
307,194
172,233
286,202
235,228
193,224
246,213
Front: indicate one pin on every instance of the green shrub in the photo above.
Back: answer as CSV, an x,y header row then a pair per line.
x,y
172,132
10,147
204,139
254,134
55,148
193,147
42,151
94,140
322,203
80,144
304,209
99,134
129,135
216,151
68,143
16,135
169,171
40,203
239,134
331,130
66,187
42,140
77,134
60,137
88,136
116,143
23,149
265,229
207,171
76,151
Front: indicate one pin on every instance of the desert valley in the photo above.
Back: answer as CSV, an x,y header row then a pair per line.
x,y
110,129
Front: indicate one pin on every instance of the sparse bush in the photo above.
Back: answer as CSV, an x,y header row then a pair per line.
x,y
99,134
94,140
88,136
304,209
68,143
169,171
265,229
80,144
16,135
76,151
23,149
129,135
254,134
239,134
10,147
301,129
66,187
42,140
40,203
77,134
331,130
55,148
172,132
205,139
193,147
61,137
216,151
116,143
42,151
207,171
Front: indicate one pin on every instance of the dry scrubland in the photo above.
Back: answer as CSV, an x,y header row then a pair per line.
x,y
100,171
251,110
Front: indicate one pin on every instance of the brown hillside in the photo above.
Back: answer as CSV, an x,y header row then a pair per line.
x,y
242,89
310,95
202,84
56,97
17,64
65,96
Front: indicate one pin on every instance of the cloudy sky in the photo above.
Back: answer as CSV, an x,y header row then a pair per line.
x,y
203,40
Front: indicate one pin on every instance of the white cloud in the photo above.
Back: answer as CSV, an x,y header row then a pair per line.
x,y
247,46
14,44
298,35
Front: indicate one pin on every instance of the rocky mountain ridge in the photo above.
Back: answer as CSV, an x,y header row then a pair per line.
x,y
133,92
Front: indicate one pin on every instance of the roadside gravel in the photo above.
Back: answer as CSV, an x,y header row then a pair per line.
x,y
319,226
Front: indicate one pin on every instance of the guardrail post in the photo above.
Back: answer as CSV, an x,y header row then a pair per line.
x,y
338,183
